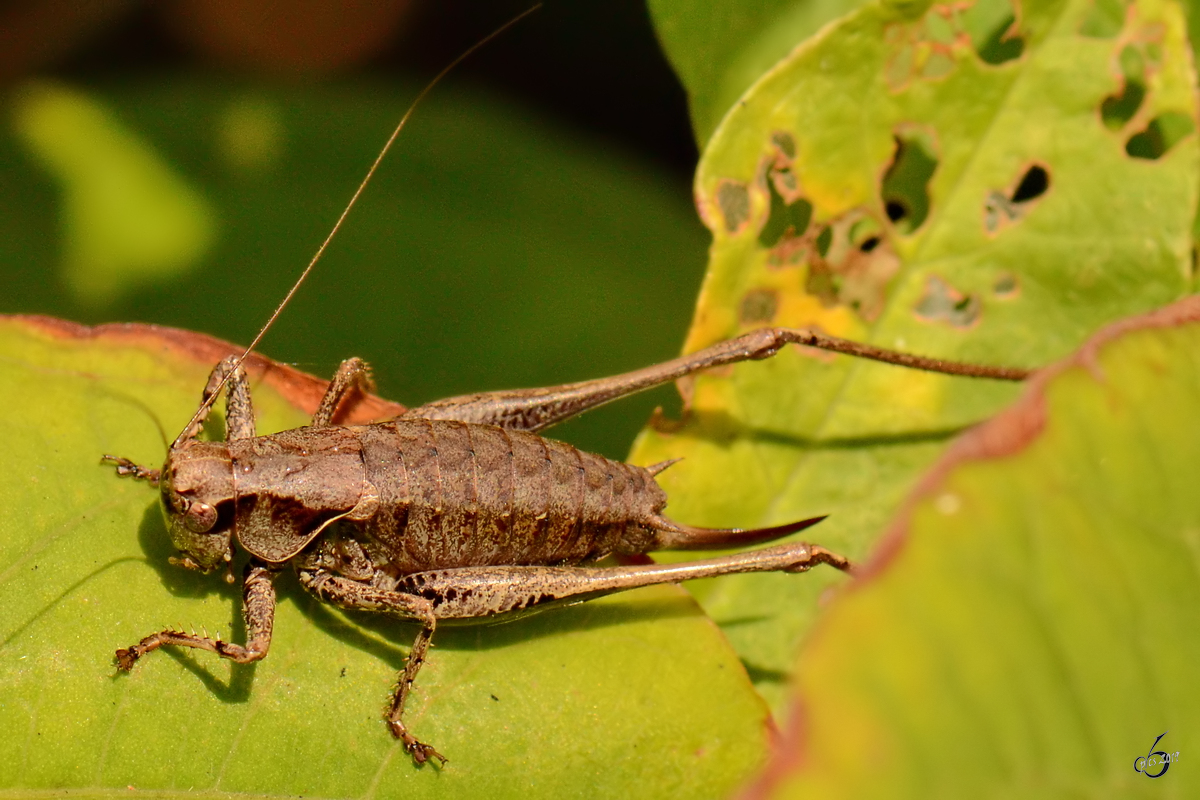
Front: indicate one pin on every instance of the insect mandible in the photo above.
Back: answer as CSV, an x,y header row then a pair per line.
x,y
456,510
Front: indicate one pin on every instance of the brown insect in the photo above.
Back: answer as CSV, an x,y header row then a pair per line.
x,y
456,510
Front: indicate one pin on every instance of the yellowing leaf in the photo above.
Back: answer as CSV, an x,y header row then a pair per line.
x,y
1027,629
911,180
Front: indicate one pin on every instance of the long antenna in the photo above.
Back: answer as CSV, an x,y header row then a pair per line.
x,y
204,406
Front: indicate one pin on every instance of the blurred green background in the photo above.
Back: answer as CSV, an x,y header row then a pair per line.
x,y
180,163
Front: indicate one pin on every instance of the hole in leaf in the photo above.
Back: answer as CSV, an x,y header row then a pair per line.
x,y
1163,133
1000,208
851,263
905,189
942,303
1117,110
865,234
1104,19
1033,185
824,239
992,27
785,220
758,305
1002,46
734,202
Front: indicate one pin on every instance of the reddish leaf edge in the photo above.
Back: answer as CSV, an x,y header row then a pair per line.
x,y
300,389
1007,433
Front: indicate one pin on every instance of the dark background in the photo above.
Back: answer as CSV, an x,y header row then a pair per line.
x,y
532,226
592,63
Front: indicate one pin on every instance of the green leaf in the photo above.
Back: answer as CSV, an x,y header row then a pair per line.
x,y
888,182
718,49
637,694
1029,627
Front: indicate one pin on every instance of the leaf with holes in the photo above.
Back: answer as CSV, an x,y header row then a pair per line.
x,y
638,690
1029,629
938,179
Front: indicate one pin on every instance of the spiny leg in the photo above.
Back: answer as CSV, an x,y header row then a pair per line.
x,y
351,594
258,609
128,469
239,410
537,409
353,375
239,417
472,592
478,592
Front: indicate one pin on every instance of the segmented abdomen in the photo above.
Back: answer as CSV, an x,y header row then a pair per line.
x,y
477,495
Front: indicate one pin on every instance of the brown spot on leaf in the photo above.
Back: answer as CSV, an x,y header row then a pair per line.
x,y
926,49
758,306
790,213
1006,285
734,201
943,303
784,142
851,263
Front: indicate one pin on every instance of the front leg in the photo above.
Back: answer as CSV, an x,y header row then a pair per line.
x,y
239,417
351,594
239,410
258,608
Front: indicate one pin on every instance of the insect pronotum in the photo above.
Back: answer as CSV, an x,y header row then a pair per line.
x,y
455,510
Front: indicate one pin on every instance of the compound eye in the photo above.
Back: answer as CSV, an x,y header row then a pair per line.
x,y
200,517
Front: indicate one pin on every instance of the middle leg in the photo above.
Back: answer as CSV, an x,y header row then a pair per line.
x,y
354,595
353,375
